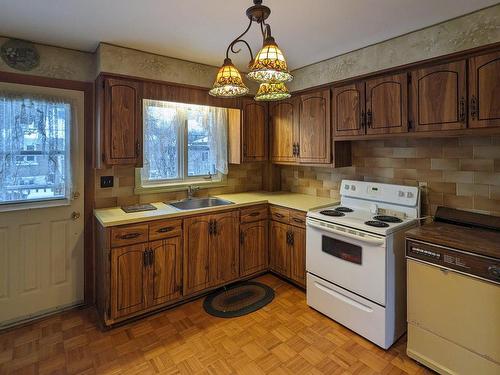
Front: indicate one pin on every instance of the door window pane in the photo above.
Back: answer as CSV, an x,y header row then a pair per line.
x,y
34,148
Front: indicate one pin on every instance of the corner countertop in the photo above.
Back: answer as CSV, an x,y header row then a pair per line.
x,y
109,217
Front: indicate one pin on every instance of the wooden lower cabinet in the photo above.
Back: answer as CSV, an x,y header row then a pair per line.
x,y
165,281
211,251
287,246
129,277
253,247
298,255
279,248
145,275
196,253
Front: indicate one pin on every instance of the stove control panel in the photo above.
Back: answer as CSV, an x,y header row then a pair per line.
x,y
396,194
464,262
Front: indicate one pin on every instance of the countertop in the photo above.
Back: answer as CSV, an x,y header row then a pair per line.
x,y
474,240
109,217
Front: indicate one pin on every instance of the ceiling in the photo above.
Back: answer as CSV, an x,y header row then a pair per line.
x,y
200,30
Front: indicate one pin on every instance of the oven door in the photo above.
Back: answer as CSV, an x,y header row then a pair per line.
x,y
352,259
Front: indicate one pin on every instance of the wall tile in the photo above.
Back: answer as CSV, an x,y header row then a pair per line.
x,y
436,161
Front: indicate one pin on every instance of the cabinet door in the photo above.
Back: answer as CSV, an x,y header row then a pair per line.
x,y
224,248
254,130
298,256
314,128
196,254
253,247
484,90
279,248
438,97
387,104
122,123
283,122
348,109
129,277
166,271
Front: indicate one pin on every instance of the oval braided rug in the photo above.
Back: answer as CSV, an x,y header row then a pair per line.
x,y
238,299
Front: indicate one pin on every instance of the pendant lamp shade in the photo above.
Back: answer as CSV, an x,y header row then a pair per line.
x,y
228,82
269,66
272,92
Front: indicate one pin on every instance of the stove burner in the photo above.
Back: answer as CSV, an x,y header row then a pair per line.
x,y
388,219
376,223
331,213
344,209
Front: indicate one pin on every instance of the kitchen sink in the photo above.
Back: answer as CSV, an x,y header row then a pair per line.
x,y
196,203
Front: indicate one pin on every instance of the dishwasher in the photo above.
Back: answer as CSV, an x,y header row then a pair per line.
x,y
453,292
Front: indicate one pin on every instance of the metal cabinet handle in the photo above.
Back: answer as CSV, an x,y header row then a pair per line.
x,y
279,215
369,118
298,220
129,236
474,107
151,257
255,214
137,148
461,110
165,229
242,237
362,119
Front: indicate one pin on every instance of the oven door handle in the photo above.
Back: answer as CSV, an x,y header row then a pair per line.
x,y
366,238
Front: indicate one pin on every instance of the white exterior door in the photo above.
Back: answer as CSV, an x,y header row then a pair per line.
x,y
41,240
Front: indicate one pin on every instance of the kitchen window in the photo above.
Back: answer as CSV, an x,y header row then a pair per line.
x,y
184,144
34,148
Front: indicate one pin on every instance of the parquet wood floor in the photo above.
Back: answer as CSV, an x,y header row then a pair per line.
x,y
285,337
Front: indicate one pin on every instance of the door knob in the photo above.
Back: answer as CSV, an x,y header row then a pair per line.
x,y
75,215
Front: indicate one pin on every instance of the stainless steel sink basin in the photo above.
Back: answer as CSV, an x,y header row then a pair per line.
x,y
196,203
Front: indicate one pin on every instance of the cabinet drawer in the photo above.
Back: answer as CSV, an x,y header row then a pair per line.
x,y
122,236
280,214
164,229
298,218
253,214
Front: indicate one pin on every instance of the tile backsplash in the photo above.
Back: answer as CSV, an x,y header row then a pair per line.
x,y
463,173
244,177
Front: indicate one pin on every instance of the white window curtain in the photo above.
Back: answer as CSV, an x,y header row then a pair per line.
x,y
176,131
35,147
216,122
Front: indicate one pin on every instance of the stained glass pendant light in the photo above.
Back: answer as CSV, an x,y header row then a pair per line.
x,y
269,66
228,82
272,92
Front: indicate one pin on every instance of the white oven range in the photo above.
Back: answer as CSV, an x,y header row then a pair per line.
x,y
355,258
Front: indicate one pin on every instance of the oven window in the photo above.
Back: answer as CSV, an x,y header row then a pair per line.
x,y
340,249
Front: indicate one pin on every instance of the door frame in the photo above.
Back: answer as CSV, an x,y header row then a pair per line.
x,y
88,195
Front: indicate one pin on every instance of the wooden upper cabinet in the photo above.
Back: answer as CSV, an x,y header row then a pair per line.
x,y
314,128
253,247
122,122
484,90
387,104
166,271
254,130
283,124
196,253
348,109
224,248
129,278
438,97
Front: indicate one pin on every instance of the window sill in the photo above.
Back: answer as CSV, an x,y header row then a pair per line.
x,y
178,186
6,207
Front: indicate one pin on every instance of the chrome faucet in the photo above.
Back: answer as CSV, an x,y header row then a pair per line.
x,y
190,191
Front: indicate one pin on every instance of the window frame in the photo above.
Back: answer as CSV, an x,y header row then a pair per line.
x,y
177,184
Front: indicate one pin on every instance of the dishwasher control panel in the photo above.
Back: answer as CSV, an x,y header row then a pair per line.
x,y
445,257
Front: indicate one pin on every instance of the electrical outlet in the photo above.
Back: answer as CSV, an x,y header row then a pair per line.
x,y
107,181
422,185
